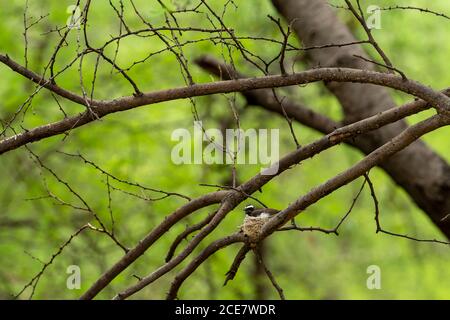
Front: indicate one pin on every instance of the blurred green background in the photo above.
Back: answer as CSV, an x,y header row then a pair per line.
x,y
136,145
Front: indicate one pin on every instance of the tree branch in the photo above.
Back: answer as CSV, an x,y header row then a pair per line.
x,y
398,143
148,241
103,108
197,261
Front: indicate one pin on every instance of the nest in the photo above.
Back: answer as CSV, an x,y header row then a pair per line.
x,y
252,227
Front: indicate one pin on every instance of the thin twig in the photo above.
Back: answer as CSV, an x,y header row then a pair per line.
x,y
269,273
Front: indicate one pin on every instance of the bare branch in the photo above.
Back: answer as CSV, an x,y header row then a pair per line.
x,y
186,233
398,143
148,240
237,263
197,261
34,281
362,21
269,274
378,224
103,108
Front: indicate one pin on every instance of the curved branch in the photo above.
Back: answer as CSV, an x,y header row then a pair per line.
x,y
359,169
183,235
295,110
266,99
145,243
228,204
240,256
269,274
103,108
197,261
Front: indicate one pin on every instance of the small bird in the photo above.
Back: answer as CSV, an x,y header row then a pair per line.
x,y
255,219
261,213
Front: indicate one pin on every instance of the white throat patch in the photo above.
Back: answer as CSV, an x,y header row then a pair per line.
x,y
264,215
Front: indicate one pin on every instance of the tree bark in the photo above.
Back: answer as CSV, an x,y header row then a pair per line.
x,y
422,173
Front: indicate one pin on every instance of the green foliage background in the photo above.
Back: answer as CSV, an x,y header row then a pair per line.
x,y
136,146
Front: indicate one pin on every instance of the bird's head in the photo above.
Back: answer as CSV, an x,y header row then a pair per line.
x,y
249,209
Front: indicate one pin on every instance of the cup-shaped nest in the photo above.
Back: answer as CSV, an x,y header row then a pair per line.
x,y
252,227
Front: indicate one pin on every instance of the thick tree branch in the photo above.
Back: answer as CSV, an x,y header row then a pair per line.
x,y
422,173
103,108
183,235
359,169
197,261
303,114
145,243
